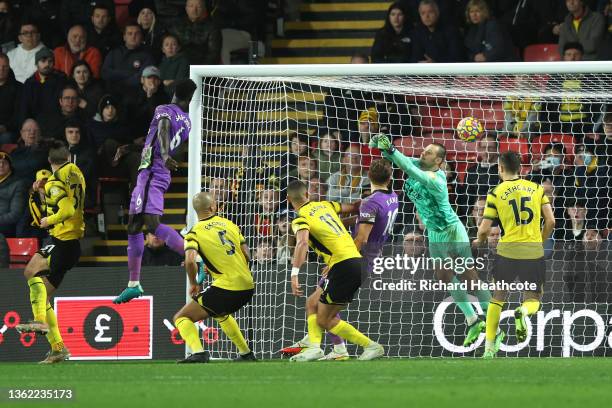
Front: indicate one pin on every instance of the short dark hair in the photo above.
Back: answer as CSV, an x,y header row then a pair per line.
x,y
380,171
573,45
58,152
78,64
184,89
98,5
441,150
296,187
511,161
555,146
131,24
607,118
70,87
359,54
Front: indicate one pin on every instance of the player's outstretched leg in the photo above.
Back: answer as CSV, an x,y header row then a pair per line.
x,y
184,321
230,327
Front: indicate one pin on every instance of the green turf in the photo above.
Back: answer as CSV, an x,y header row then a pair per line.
x,y
503,382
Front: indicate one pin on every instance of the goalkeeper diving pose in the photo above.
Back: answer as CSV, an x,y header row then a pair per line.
x,y
224,251
319,226
426,187
519,206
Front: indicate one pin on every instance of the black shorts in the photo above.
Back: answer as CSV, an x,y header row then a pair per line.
x,y
342,282
526,270
220,302
61,257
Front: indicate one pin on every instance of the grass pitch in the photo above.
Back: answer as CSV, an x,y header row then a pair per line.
x,y
456,383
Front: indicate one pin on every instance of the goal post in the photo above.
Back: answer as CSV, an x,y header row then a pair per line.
x,y
256,127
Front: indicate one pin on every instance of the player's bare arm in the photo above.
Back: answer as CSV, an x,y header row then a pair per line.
x,y
484,229
363,233
549,221
191,268
299,257
246,251
163,135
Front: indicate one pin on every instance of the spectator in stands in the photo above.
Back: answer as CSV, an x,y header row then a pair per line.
x,y
76,49
583,26
572,254
550,15
41,90
306,167
264,255
483,175
53,122
142,103
239,21
174,65
90,89
475,217
572,51
520,17
30,155
368,126
12,197
360,58
156,253
521,115
268,200
433,41
597,265
200,37
317,188
414,244
393,42
122,68
591,182
102,32
298,146
78,11
113,141
552,166
286,240
8,26
348,184
10,97
84,157
23,58
486,40
328,155
145,13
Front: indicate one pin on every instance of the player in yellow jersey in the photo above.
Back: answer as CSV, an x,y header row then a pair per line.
x,y
62,203
518,206
222,247
317,225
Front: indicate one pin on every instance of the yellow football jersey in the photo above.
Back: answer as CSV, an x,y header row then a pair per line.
x,y
517,205
327,237
64,202
218,242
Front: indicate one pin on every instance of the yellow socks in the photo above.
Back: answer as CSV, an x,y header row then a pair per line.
x,y
189,333
530,307
315,333
230,327
54,337
348,332
38,298
493,313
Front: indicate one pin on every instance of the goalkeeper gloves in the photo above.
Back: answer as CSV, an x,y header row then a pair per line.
x,y
384,144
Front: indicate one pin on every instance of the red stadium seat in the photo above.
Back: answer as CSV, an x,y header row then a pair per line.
x,y
122,15
519,145
490,113
21,250
542,52
412,146
8,147
539,143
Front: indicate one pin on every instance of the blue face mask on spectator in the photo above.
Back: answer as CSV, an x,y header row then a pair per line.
x,y
588,158
551,162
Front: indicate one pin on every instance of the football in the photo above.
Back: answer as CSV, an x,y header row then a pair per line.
x,y
469,129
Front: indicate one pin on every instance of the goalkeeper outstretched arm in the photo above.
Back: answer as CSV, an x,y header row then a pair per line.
x,y
408,165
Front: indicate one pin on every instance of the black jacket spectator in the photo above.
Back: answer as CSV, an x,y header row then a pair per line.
x,y
78,11
140,109
10,97
520,19
550,14
490,39
44,13
40,98
200,39
85,159
246,15
8,26
122,67
12,198
441,45
102,32
393,42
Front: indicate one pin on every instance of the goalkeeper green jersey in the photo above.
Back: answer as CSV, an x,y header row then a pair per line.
x,y
428,191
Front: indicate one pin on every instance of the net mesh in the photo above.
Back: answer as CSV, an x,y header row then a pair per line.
x,y
259,133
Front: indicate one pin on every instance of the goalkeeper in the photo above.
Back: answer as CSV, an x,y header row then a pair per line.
x,y
426,188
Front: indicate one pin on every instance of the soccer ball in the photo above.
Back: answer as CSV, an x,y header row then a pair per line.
x,y
469,129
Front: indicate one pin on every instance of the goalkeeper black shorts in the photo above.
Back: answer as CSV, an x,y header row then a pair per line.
x,y
342,282
61,257
525,270
221,302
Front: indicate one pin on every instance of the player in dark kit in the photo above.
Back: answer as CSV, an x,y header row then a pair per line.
x,y
169,128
